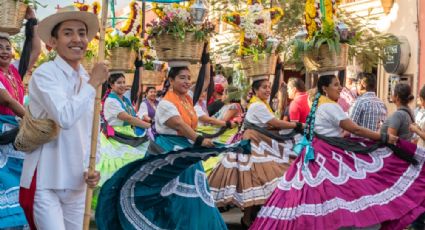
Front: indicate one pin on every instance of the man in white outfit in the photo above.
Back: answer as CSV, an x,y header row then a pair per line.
x,y
53,182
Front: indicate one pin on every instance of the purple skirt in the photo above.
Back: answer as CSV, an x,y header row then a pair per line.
x,y
343,189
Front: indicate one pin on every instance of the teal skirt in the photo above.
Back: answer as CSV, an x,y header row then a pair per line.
x,y
165,190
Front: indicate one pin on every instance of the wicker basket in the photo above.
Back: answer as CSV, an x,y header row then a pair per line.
x,y
150,77
325,60
122,58
264,66
169,48
87,64
194,72
12,14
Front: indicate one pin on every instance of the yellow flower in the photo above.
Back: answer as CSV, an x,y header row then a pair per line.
x,y
131,19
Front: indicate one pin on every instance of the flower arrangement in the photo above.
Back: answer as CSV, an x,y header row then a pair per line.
x,y
94,8
255,26
117,39
175,19
133,25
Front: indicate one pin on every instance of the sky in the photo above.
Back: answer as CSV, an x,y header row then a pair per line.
x,y
52,4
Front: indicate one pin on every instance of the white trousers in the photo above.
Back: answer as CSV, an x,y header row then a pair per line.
x,y
59,209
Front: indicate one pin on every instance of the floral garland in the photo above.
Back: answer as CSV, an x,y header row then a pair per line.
x,y
318,11
94,8
255,24
133,25
176,19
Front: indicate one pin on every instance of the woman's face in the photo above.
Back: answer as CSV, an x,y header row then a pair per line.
x,y
151,94
119,86
181,83
5,53
264,91
333,90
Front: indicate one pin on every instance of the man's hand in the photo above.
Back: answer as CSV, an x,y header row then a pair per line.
x,y
99,74
92,180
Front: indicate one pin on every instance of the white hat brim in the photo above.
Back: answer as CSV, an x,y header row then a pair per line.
x,y
46,26
259,78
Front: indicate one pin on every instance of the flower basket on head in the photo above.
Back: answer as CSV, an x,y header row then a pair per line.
x,y
176,35
150,77
258,47
264,66
171,48
122,58
12,14
325,59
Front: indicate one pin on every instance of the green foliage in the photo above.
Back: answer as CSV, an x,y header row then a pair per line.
x,y
114,41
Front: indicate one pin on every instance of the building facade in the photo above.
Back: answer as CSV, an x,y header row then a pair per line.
x,y
401,19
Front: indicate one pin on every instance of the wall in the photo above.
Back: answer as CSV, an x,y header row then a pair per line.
x,y
421,43
401,21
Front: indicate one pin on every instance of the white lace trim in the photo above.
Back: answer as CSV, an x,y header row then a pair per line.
x,y
247,195
118,151
133,215
9,198
245,161
9,151
329,206
345,172
199,189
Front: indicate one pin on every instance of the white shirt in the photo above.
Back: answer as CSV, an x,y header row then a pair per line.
x,y
165,111
53,92
258,114
328,117
143,110
2,86
112,107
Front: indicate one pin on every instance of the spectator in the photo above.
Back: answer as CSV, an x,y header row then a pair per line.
x,y
298,109
398,123
217,104
348,93
420,119
368,110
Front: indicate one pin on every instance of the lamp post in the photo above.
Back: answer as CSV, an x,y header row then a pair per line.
x,y
199,12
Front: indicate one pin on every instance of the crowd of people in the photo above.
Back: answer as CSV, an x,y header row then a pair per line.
x,y
178,157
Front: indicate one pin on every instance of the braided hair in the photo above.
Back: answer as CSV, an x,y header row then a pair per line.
x,y
311,118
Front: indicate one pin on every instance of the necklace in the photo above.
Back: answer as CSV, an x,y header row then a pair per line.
x,y
14,85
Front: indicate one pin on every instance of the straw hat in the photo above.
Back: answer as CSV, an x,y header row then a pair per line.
x,y
259,78
65,14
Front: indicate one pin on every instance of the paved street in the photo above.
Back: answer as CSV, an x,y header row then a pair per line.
x,y
232,219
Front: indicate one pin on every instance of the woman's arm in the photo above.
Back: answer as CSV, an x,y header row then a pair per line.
x,y
416,129
230,114
212,121
353,128
280,124
185,130
8,101
124,116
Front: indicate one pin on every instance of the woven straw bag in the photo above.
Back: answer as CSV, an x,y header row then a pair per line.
x,y
35,132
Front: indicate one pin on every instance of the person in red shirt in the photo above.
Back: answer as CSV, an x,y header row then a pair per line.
x,y
298,109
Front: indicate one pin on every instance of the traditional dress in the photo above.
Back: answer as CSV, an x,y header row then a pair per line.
x,y
328,187
52,184
11,213
119,148
248,180
221,135
147,109
165,190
